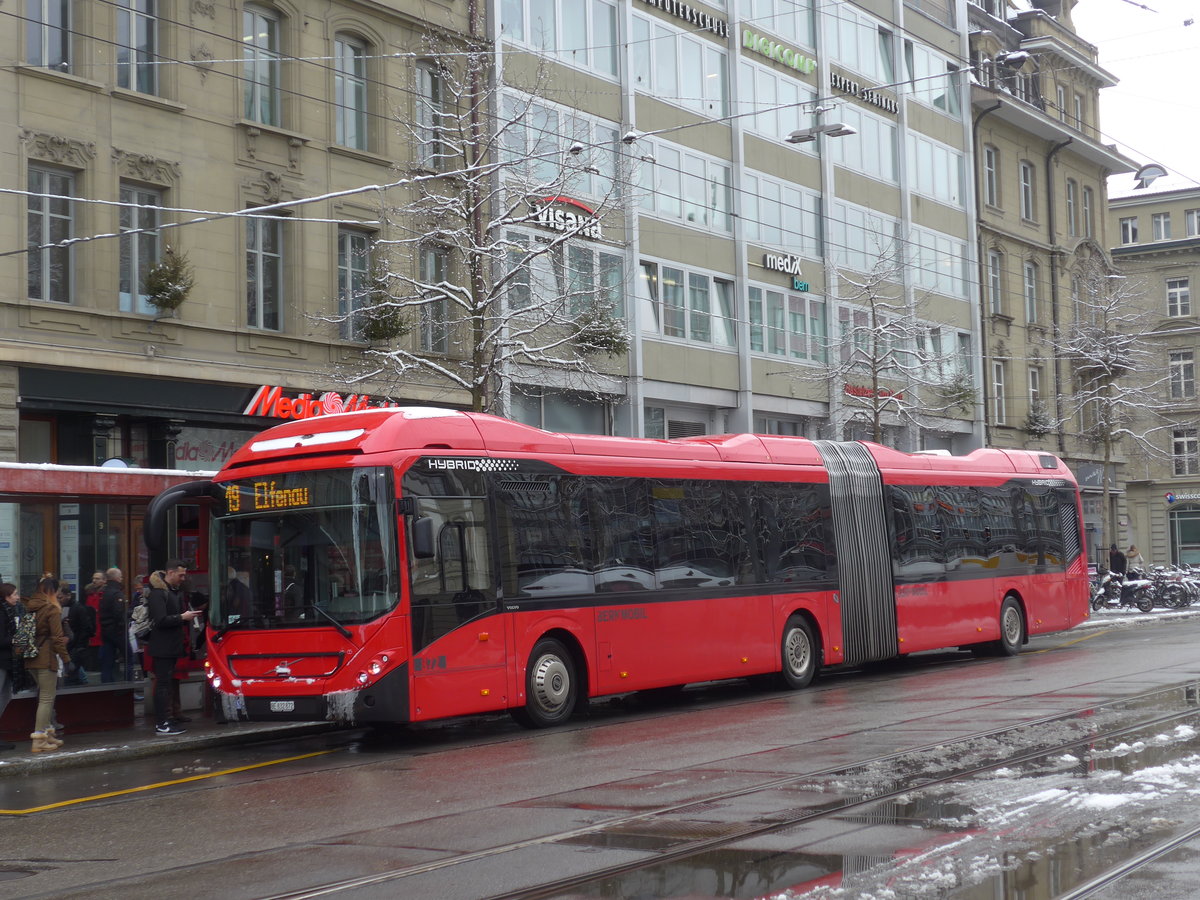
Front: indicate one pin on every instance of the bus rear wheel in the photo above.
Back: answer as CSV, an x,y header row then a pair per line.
x,y
798,654
551,686
1012,628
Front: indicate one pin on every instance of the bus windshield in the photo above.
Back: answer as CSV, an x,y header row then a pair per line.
x,y
303,549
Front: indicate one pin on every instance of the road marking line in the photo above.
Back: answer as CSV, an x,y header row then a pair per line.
x,y
1086,637
160,784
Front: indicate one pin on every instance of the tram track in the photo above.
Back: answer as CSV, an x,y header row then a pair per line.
x,y
1088,734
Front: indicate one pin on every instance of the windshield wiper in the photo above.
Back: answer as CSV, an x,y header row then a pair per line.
x,y
336,624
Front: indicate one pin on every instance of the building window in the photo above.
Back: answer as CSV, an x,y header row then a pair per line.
x,y
264,272
859,237
1079,111
140,213
933,80
1192,219
350,92
1028,198
991,176
1185,451
1129,230
540,135
939,261
51,220
999,386
354,274
787,325
1179,297
690,305
780,214
995,269
679,184
430,109
260,66
583,33
435,310
137,38
1160,225
1088,206
874,149
1072,207
48,33
1061,97
858,42
1182,364
680,68
772,104
935,169
1031,291
1035,386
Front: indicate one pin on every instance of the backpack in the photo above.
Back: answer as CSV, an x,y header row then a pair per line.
x,y
24,640
139,621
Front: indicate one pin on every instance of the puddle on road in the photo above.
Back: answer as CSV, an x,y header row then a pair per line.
x,y
1031,831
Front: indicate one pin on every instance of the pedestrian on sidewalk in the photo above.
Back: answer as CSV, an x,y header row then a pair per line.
x,y
112,624
51,659
168,636
8,626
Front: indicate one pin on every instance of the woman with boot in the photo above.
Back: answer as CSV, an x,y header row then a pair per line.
x,y
52,647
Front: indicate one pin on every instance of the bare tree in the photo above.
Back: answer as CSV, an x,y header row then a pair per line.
x,y
884,364
489,268
1119,383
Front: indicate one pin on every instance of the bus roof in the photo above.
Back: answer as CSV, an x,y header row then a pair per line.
x,y
438,430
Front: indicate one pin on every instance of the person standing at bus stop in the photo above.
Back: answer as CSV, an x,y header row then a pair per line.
x,y
112,624
169,631
52,657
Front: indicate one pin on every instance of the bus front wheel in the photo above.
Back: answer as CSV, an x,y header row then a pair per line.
x,y
551,686
798,654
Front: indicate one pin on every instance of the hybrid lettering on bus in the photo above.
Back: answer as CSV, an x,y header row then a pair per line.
x,y
406,564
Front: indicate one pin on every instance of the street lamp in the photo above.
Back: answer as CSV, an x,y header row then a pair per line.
x,y
833,129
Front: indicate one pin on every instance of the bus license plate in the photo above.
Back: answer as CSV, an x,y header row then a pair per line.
x,y
283,706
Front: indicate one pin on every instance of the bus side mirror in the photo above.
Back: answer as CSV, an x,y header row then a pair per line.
x,y
422,538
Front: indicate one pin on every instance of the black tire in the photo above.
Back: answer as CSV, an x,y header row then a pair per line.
x,y
551,686
1098,602
1174,596
1145,603
1012,628
798,654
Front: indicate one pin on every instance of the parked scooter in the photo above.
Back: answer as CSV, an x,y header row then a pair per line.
x,y
1118,592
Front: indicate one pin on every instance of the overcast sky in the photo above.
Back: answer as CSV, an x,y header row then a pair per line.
x,y
1154,113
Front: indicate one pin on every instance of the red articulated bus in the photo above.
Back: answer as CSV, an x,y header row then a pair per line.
x,y
406,564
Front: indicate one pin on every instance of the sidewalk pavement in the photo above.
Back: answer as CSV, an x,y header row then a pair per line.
x,y
142,741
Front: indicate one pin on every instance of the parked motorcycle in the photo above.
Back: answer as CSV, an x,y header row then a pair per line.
x,y
1118,592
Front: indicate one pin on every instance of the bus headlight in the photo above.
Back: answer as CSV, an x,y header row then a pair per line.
x,y
375,667
363,677
216,682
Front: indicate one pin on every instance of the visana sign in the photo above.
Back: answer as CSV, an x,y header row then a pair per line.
x,y
268,400
548,213
791,58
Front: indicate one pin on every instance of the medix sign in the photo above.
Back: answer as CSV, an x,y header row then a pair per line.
x,y
268,400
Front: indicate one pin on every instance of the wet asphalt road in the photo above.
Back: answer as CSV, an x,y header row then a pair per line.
x,y
436,803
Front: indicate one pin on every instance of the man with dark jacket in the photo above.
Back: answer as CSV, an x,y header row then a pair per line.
x,y
167,635
81,625
112,624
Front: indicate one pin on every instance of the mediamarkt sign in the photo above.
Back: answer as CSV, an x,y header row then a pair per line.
x,y
269,401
